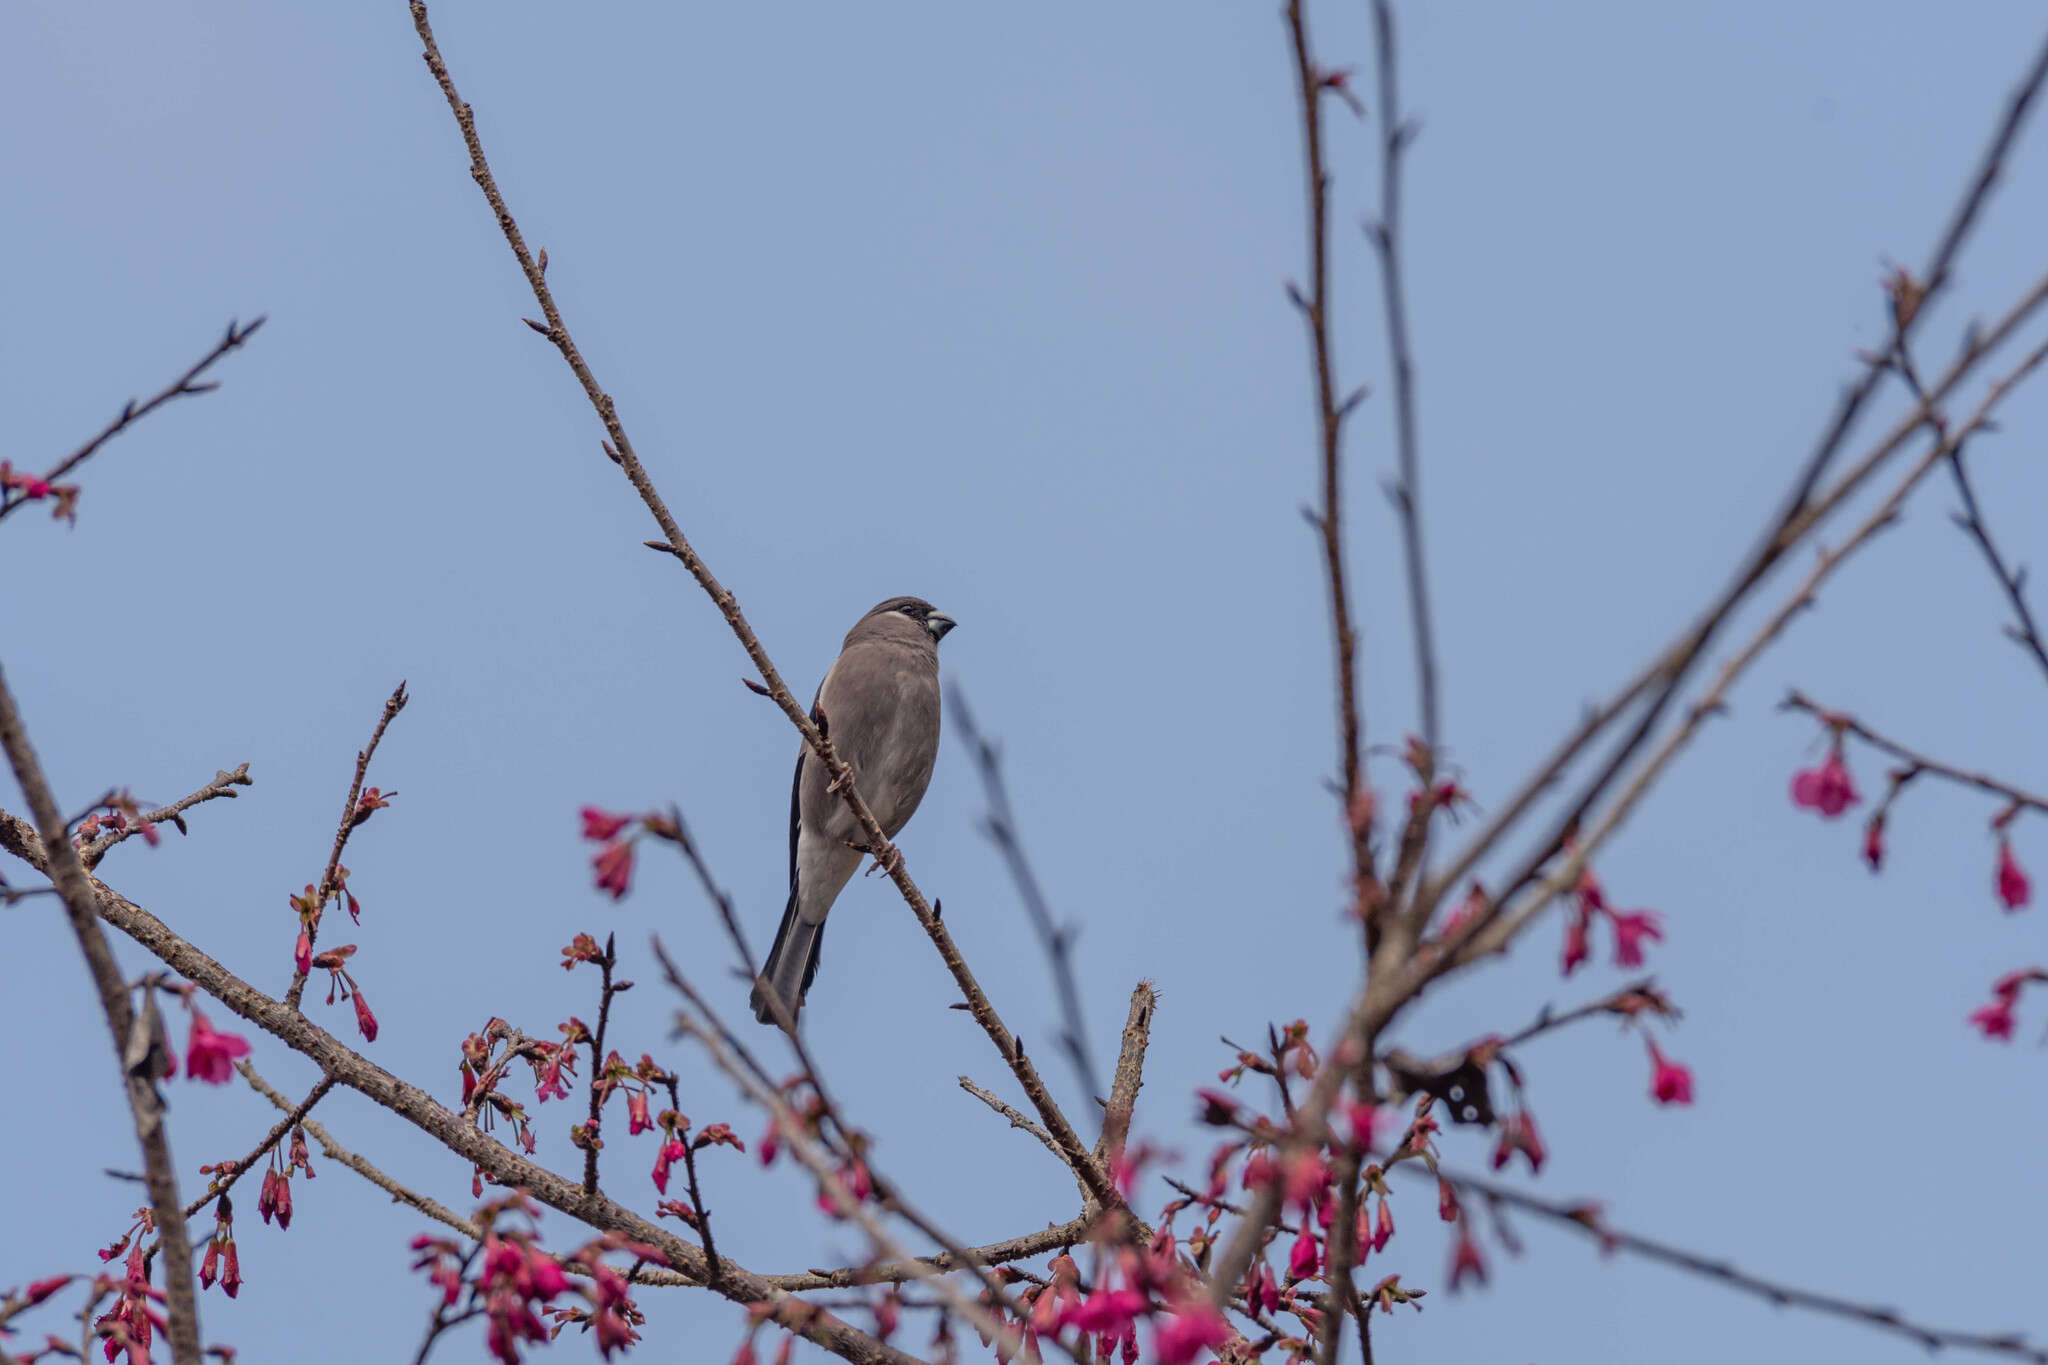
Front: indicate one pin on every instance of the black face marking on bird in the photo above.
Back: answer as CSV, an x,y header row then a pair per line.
x,y
920,611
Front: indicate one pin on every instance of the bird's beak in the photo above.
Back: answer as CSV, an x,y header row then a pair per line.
x,y
938,623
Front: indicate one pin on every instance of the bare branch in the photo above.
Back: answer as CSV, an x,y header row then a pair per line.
x,y
183,386
1395,136
2026,633
1058,942
1916,762
1586,1218
222,787
1800,513
67,871
350,818
1492,933
1311,83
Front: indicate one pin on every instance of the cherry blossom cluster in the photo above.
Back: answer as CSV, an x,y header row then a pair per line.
x,y
612,864
17,1301
1998,1019
121,811
334,961
1829,790
1631,927
513,1284
16,486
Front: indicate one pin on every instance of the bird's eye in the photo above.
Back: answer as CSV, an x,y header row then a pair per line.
x,y
910,610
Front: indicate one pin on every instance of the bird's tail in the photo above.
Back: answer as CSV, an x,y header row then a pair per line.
x,y
791,964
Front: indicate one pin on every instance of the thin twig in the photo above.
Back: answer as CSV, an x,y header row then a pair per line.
x,y
181,387
1916,761
2027,634
1057,1238
293,1117
1058,941
1009,1111
1586,1218
146,1106
221,788
598,1090
1330,417
1395,136
392,706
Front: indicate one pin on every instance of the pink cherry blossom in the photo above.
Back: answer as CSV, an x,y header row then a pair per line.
x,y
601,826
210,1056
1630,929
1828,789
1670,1083
2013,887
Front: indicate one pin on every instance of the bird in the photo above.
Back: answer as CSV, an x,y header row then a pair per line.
x,y
879,705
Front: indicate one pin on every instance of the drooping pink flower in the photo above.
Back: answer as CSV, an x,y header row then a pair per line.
x,y
672,1151
1190,1327
1577,941
1218,1109
38,1290
365,1020
1446,1200
1631,927
1466,1260
1828,789
1670,1083
1518,1134
2013,887
1303,1259
1873,842
1996,1019
601,826
210,1056
231,1269
1308,1178
614,867
636,1113
1106,1312
302,953
1263,1291
1383,1227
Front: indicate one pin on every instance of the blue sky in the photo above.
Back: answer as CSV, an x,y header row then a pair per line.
x,y
987,306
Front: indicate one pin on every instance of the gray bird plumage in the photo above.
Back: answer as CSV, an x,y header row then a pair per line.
x,y
879,705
